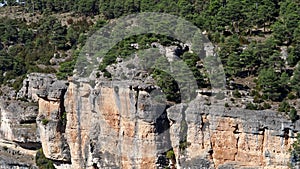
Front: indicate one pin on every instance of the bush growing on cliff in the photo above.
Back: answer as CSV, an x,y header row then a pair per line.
x,y
251,106
170,154
42,162
45,121
284,107
293,114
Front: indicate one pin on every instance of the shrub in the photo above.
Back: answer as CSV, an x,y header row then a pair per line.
x,y
251,106
18,83
284,107
64,118
293,114
226,105
291,96
45,121
42,162
107,74
237,94
257,99
266,106
170,154
295,152
254,93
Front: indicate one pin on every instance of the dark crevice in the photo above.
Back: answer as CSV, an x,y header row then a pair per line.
x,y
62,113
29,145
29,121
61,125
26,87
237,147
59,162
202,131
286,136
162,123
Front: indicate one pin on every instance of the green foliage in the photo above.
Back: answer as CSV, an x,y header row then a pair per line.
x,y
168,85
88,7
293,114
236,94
251,106
183,145
266,105
257,99
293,54
291,96
45,121
42,162
170,154
270,84
63,118
233,26
66,69
288,21
284,107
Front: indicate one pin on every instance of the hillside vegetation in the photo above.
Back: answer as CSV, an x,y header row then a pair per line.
x,y
257,41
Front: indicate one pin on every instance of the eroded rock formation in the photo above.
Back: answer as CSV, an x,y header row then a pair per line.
x,y
124,123
115,126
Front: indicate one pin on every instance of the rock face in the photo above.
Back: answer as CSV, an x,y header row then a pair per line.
x,y
19,137
109,124
18,121
51,121
112,127
234,138
35,83
115,126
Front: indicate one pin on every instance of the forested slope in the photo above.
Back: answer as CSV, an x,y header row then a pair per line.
x,y
258,43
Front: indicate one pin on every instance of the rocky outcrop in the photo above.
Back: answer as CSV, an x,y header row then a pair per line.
x,y
18,121
33,84
12,156
123,123
51,121
233,138
113,127
120,126
19,137
109,124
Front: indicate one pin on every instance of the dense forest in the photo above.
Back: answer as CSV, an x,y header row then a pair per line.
x,y
258,42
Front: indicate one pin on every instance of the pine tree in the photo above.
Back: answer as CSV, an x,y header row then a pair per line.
x,y
269,83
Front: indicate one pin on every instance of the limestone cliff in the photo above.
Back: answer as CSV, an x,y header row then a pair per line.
x,y
117,126
234,138
109,124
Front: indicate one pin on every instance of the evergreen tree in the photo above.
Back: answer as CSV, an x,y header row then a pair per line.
x,y
269,84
